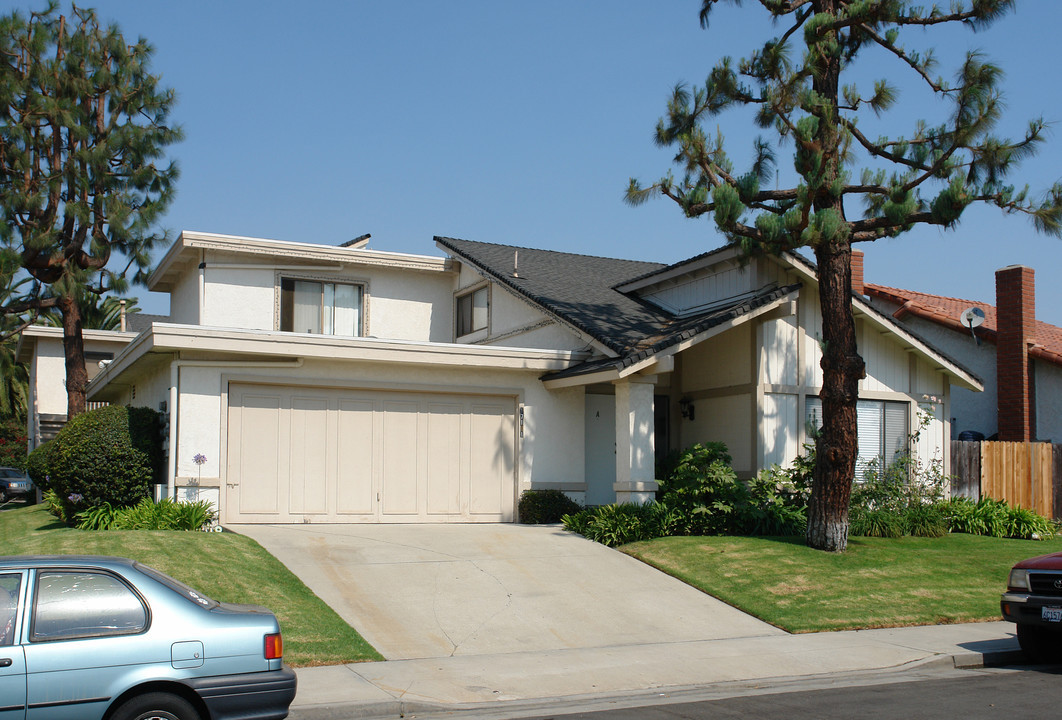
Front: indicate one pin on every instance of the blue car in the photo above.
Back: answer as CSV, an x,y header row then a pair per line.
x,y
86,638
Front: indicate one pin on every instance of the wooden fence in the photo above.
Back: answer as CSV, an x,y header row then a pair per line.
x,y
1025,474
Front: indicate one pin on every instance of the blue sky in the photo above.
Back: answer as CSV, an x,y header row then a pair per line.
x,y
521,123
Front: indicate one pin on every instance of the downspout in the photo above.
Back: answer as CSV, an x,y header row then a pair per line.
x,y
175,380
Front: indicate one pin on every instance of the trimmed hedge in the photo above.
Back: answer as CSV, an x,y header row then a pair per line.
x,y
109,455
545,506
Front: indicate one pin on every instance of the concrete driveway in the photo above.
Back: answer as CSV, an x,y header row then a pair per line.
x,y
424,591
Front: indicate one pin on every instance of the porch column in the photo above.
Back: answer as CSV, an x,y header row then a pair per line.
x,y
635,453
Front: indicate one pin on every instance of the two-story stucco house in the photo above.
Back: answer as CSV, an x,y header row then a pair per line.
x,y
345,384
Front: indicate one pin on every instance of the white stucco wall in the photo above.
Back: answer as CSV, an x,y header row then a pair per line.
x,y
184,299
400,304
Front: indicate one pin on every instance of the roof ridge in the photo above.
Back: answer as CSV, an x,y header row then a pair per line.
x,y
919,292
444,239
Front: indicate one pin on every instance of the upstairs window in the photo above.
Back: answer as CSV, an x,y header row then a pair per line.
x,y
309,306
471,312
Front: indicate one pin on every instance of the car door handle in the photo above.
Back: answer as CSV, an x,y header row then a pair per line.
x,y
5,662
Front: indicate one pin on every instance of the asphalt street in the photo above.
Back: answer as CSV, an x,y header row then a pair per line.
x,y
983,694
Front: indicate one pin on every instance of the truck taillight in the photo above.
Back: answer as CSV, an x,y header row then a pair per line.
x,y
274,647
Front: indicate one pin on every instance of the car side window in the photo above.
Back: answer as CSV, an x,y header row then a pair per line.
x,y
71,604
9,585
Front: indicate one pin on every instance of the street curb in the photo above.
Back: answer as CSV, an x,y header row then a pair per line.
x,y
633,698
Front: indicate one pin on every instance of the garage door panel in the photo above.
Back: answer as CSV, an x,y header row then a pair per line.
x,y
333,455
308,464
492,458
444,453
354,471
399,481
260,427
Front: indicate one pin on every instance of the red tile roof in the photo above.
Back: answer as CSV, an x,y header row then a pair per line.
x,y
945,311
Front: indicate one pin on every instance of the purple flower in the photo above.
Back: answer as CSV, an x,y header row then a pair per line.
x,y
75,498
199,458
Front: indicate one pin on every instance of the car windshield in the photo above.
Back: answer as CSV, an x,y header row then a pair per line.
x,y
178,587
10,473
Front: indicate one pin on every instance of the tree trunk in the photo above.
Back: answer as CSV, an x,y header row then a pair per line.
x,y
74,352
842,369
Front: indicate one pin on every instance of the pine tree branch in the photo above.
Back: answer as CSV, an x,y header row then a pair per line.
x,y
875,149
902,55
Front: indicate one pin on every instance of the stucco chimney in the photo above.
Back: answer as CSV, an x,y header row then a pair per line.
x,y
857,272
1015,331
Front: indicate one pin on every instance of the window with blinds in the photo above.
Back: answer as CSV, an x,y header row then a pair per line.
x,y
882,426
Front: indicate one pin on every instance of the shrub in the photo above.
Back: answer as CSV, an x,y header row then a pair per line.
x,y
996,518
108,455
624,523
13,443
58,507
545,506
876,523
148,515
37,465
926,521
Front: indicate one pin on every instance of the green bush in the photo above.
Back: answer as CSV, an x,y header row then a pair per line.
x,y
614,525
545,506
995,518
108,455
38,465
881,523
703,496
148,515
926,521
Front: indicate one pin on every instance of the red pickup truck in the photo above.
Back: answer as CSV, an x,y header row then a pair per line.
x,y
1033,601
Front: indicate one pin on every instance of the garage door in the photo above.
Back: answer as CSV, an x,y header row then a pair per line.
x,y
328,455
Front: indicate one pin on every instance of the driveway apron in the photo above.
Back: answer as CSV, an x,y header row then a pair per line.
x,y
423,591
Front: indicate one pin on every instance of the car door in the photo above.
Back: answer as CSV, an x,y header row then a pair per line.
x,y
12,656
85,642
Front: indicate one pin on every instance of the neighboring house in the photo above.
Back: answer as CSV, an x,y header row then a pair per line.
x,y
1019,357
41,347
344,384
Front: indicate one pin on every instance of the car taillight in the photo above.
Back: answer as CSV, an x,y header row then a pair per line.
x,y
274,647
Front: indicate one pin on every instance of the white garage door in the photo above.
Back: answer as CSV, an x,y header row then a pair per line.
x,y
331,455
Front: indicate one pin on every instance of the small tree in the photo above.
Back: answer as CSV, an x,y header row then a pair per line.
x,y
798,85
82,125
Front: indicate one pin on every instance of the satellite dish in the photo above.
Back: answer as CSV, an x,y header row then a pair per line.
x,y
972,317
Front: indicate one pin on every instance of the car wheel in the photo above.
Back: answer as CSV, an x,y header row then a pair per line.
x,y
1040,644
156,706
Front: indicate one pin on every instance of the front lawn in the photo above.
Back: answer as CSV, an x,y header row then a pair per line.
x,y
876,583
224,566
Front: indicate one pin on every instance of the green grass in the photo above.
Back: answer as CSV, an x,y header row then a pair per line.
x,y
876,583
225,566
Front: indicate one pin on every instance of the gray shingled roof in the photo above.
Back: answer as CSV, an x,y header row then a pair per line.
x,y
579,289
575,288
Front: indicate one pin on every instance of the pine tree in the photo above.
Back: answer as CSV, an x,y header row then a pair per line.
x,y
797,83
83,124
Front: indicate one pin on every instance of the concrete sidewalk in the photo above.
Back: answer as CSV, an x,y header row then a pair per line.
x,y
546,681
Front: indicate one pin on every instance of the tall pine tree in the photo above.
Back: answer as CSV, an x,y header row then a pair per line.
x,y
83,127
799,85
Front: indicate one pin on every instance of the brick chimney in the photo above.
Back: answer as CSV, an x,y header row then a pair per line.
x,y
857,272
1015,331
